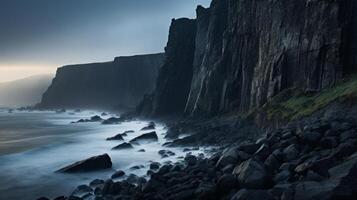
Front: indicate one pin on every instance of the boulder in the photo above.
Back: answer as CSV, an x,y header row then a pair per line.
x,y
340,185
229,156
154,165
150,126
252,174
90,164
248,147
206,191
252,195
291,152
152,136
112,120
310,137
116,137
118,174
124,145
96,182
226,183
190,159
81,190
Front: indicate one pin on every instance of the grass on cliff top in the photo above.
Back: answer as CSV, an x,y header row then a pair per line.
x,y
293,104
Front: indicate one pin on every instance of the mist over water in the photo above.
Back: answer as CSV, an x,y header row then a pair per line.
x,y
35,144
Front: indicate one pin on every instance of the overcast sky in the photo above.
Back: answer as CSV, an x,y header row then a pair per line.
x,y
37,36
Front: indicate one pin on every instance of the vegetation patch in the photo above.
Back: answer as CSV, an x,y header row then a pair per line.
x,y
293,104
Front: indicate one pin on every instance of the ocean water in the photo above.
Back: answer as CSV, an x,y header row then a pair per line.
x,y
33,145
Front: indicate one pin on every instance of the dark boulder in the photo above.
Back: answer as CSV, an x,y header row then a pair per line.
x,y
150,126
310,137
252,174
116,137
124,145
152,136
252,195
155,165
90,164
113,120
206,191
291,152
118,174
96,182
81,191
190,159
226,183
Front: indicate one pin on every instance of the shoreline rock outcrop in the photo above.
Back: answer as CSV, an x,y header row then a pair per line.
x,y
91,164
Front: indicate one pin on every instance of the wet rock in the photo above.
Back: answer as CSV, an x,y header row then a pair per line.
x,y
252,174
141,150
90,164
96,182
344,149
313,176
153,185
206,191
229,156
95,118
136,167
263,152
154,165
226,183
150,126
190,159
252,194
152,136
291,152
81,190
43,198
116,137
124,145
132,178
248,147
113,120
282,177
118,174
272,163
310,137
329,142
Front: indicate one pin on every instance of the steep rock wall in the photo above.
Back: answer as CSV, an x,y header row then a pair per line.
x,y
120,83
256,48
174,80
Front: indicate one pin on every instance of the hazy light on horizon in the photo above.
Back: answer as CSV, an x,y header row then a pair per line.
x,y
18,72
48,33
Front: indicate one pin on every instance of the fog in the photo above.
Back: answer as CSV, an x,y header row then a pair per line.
x,y
24,92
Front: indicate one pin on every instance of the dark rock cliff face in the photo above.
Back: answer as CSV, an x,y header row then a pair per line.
x,y
174,80
120,83
256,48
247,51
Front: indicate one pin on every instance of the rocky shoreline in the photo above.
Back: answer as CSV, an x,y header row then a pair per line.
x,y
313,158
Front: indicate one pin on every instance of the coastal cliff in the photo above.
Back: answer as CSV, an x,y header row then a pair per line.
x,y
174,79
118,84
247,52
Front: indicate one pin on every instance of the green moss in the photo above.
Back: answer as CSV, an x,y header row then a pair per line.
x,y
293,104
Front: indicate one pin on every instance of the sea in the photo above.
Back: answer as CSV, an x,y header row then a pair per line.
x,y
33,145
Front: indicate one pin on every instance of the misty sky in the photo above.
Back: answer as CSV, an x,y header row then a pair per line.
x,y
37,36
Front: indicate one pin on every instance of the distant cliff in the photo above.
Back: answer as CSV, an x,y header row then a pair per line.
x,y
248,51
120,83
